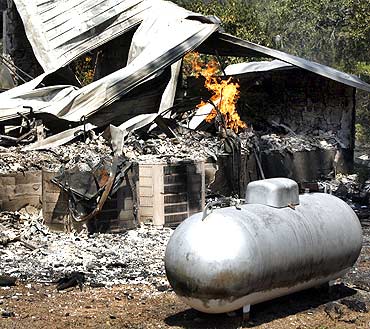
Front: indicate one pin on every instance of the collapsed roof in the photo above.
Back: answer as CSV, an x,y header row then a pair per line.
x,y
229,45
165,34
60,31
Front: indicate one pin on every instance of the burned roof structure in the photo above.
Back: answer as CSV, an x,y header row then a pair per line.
x,y
149,39
150,53
60,33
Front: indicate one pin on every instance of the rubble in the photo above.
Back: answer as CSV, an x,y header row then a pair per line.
x,y
362,155
30,252
134,257
350,189
342,185
297,143
193,145
13,159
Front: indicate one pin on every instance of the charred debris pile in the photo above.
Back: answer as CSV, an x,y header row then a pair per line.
x,y
31,252
157,146
170,142
91,162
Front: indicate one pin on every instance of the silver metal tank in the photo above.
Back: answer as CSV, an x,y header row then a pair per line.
x,y
239,257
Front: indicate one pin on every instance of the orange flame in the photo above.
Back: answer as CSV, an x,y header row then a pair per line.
x,y
224,92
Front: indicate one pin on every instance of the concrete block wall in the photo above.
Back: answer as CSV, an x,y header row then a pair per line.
x,y
169,193
118,213
163,193
54,203
304,101
18,190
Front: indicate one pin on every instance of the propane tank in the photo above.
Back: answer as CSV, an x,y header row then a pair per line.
x,y
278,243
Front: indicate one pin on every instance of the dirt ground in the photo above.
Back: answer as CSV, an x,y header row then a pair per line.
x,y
40,305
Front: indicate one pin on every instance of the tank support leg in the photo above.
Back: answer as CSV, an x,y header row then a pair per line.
x,y
246,311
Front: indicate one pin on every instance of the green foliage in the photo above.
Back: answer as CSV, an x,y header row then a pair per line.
x,y
362,69
238,17
336,33
362,134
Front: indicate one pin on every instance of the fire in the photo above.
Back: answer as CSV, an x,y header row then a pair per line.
x,y
225,93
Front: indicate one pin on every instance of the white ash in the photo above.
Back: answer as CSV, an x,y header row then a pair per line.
x,y
349,182
297,143
195,146
135,256
89,153
13,159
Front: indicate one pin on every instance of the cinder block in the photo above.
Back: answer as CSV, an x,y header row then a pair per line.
x,y
54,197
170,198
146,181
21,202
20,189
27,189
7,192
146,211
7,181
116,215
29,177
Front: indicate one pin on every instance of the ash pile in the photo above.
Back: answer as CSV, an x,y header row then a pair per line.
x,y
292,142
30,252
179,144
19,159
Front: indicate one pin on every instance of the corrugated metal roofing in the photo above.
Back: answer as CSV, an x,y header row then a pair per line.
x,y
165,35
162,39
62,30
229,45
262,66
